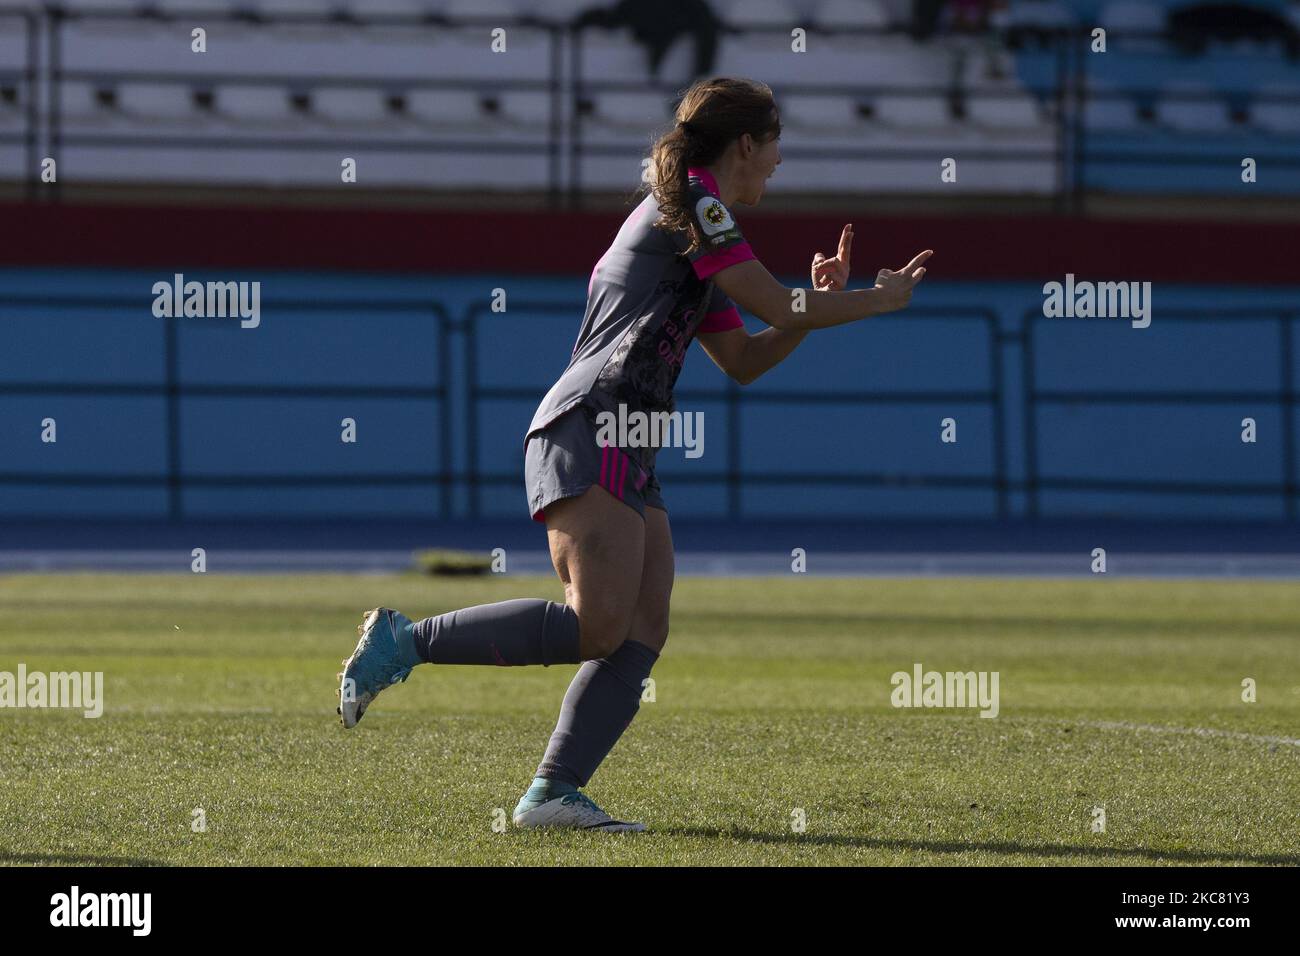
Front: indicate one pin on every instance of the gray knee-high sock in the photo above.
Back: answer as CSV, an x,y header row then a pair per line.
x,y
598,706
523,631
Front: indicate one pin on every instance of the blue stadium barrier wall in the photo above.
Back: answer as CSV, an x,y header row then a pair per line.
x,y
198,418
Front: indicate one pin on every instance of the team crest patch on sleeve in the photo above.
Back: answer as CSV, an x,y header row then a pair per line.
x,y
713,216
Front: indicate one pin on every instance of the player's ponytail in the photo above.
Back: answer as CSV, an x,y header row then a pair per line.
x,y
712,113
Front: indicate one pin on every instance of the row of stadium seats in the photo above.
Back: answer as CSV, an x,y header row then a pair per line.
x,y
1191,107
611,56
151,104
1119,15
144,90
824,14
1187,107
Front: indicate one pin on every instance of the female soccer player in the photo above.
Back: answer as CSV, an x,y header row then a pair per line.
x,y
673,273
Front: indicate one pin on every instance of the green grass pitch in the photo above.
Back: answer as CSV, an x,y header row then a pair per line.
x,y
772,696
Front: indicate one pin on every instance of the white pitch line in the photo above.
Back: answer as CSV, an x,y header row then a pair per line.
x,y
1165,729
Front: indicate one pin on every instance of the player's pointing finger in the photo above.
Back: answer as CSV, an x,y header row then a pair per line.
x,y
911,267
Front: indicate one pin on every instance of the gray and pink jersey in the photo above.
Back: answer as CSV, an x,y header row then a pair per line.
x,y
646,300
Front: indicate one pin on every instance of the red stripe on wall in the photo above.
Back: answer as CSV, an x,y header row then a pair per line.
x,y
567,243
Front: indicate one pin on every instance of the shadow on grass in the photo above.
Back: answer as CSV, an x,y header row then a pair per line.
x,y
1005,848
73,859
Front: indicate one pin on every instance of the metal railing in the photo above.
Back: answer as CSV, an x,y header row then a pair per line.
x,y
469,392
172,389
1284,399
735,400
25,84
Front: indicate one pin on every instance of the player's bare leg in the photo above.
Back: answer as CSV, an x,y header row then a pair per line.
x,y
605,693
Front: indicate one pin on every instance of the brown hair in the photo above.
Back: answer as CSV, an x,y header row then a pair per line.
x,y
711,114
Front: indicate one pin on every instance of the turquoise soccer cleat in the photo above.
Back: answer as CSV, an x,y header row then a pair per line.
x,y
384,656
572,811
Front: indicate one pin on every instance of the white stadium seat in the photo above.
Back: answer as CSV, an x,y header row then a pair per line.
x,y
424,7
758,13
385,34
1013,111
297,7
92,6
909,66
640,111
829,112
976,64
1133,15
11,104
114,25
76,99
79,103
1126,17
1046,14
349,106
447,107
912,112
851,15
485,9
386,8
1132,26
226,30
612,55
486,16
307,29
1207,115
254,104
156,102
189,7
561,10
526,107
1107,108
1278,116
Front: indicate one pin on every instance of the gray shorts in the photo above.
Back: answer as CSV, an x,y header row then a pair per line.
x,y
563,460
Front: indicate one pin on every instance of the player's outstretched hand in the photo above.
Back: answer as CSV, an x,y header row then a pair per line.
x,y
832,275
898,285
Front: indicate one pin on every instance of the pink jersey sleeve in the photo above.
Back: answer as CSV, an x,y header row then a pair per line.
x,y
724,245
722,320
706,264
